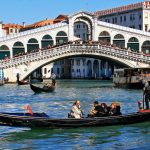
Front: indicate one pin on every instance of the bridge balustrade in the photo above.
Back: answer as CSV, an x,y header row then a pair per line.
x,y
102,49
8,37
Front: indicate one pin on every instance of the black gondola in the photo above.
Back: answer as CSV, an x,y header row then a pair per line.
x,y
43,121
23,82
47,89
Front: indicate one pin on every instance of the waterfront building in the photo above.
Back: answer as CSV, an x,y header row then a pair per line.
x,y
135,16
2,31
11,28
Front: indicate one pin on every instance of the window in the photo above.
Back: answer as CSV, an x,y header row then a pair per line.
x,y
124,18
146,27
120,18
11,30
140,16
45,70
115,19
140,27
78,62
58,71
131,17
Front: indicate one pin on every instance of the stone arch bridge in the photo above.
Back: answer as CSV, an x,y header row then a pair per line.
x,y
26,64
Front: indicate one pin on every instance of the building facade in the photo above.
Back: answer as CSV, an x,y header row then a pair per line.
x,y
135,16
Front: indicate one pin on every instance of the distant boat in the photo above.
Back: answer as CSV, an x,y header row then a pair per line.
x,y
45,88
131,77
22,82
41,120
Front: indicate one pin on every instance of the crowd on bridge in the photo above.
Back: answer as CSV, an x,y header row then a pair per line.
x,y
76,42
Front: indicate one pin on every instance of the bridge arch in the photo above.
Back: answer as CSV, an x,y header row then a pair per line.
x,y
133,44
146,47
32,45
105,37
83,28
96,68
89,69
46,41
119,40
61,37
4,52
17,48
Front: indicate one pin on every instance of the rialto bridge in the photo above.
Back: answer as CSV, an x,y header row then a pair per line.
x,y
131,46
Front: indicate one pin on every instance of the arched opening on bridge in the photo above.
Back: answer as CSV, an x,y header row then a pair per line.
x,y
89,69
32,45
4,52
104,37
46,41
146,47
18,48
83,28
103,69
96,69
61,37
133,44
119,40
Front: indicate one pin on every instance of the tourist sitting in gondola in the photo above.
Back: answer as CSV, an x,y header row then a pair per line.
x,y
105,109
114,109
97,110
76,111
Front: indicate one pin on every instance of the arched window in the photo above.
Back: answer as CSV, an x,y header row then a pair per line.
x,y
61,37
46,41
32,45
133,44
146,47
119,40
4,52
104,36
18,48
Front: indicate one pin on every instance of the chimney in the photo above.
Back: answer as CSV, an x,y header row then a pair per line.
x,y
24,24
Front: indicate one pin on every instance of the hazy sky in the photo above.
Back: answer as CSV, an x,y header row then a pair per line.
x,y
30,11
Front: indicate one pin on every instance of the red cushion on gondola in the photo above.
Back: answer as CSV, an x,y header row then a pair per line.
x,y
144,110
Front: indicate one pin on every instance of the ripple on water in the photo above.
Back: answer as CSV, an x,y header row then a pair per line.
x,y
14,98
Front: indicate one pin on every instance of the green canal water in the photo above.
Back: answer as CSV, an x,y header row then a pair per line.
x,y
14,98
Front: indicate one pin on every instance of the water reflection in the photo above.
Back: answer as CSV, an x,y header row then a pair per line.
x,y
116,137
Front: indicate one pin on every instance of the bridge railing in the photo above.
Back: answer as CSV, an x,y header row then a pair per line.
x,y
92,48
8,37
110,25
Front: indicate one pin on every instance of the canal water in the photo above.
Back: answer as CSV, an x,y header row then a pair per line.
x,y
14,98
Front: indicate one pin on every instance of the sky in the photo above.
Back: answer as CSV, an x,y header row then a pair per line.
x,y
31,11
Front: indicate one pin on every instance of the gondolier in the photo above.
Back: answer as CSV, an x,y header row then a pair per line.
x,y
146,94
53,77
